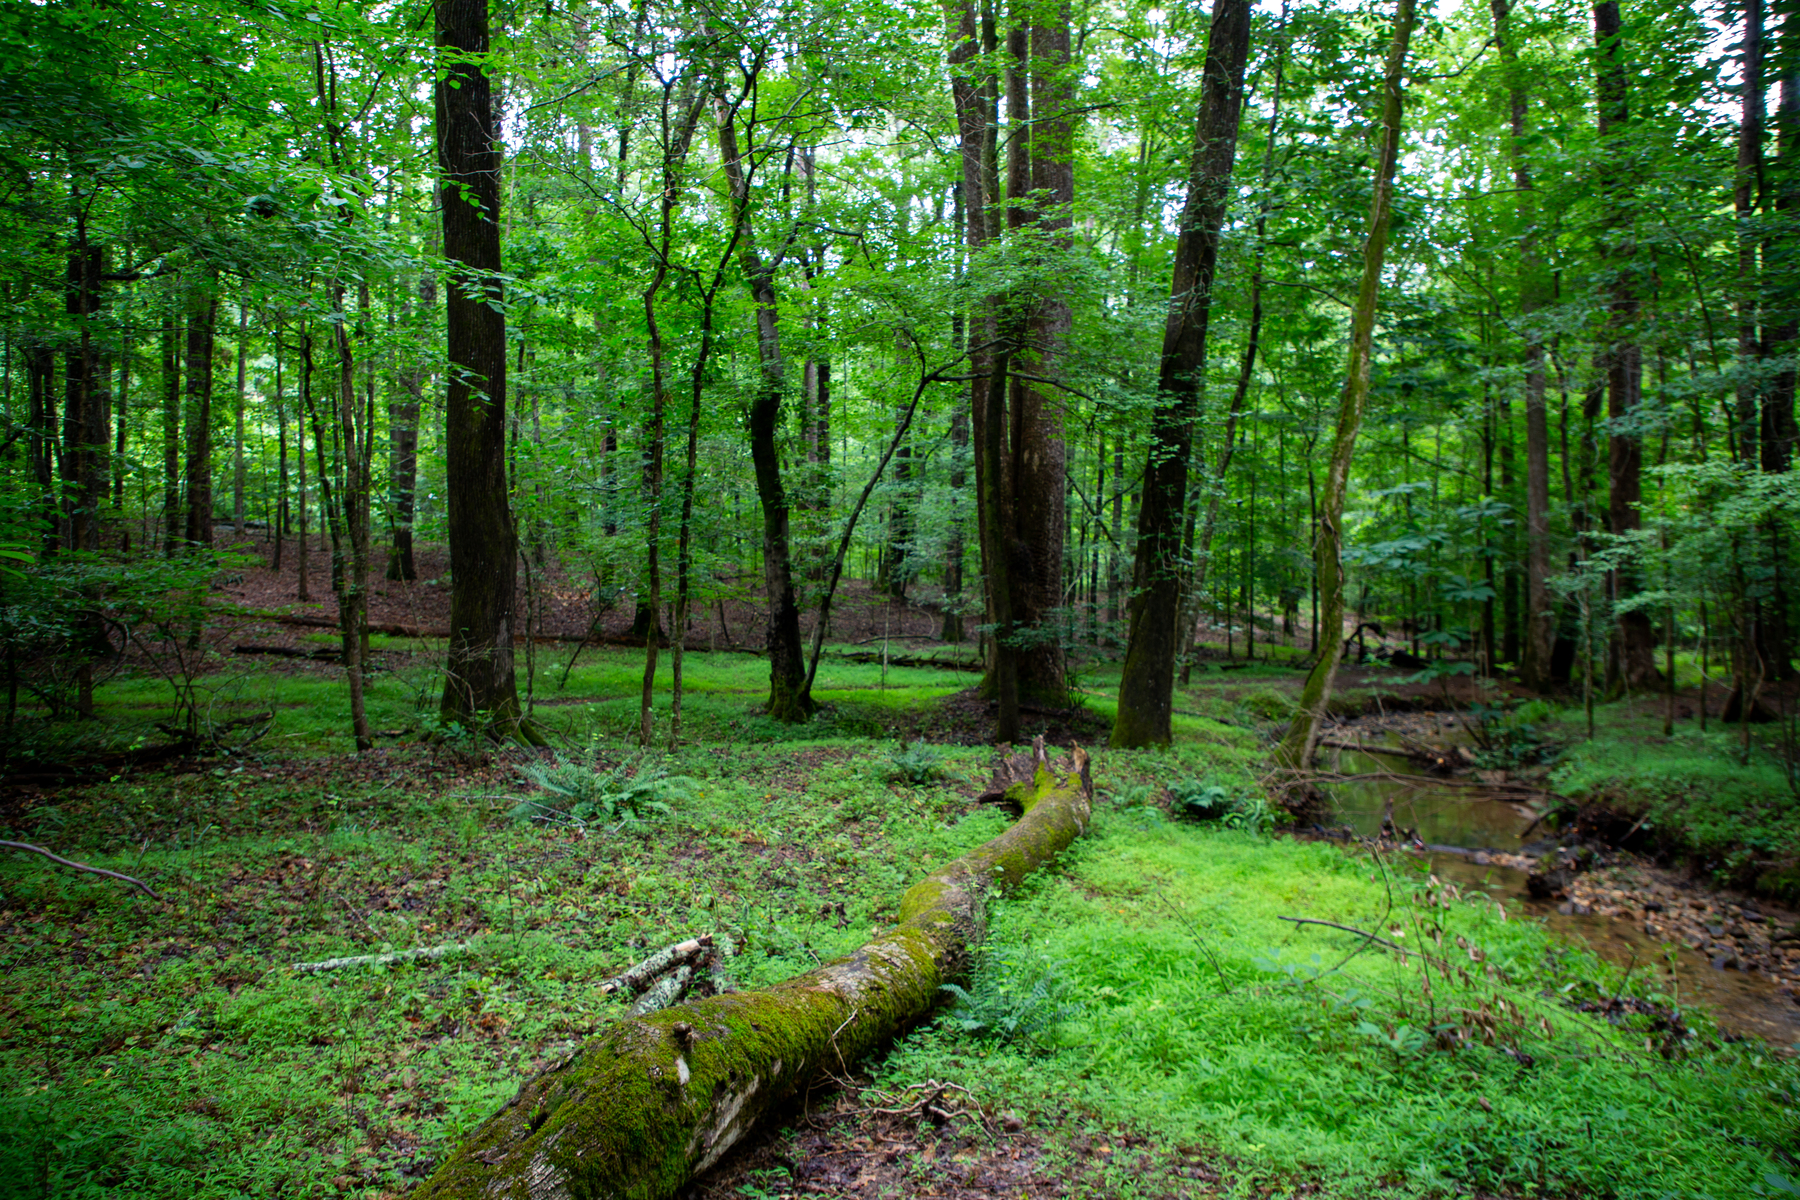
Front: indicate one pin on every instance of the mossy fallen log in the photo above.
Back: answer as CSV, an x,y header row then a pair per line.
x,y
653,1101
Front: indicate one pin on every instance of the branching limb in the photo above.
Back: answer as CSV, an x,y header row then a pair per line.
x,y
78,866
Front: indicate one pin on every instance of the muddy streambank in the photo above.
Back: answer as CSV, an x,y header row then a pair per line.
x,y
1484,830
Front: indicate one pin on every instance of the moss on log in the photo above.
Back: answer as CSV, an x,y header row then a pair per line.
x,y
644,1107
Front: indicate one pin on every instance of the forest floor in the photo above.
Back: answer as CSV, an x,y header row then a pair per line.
x,y
1146,1020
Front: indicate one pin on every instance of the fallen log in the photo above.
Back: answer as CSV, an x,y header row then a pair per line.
x,y
425,953
655,1100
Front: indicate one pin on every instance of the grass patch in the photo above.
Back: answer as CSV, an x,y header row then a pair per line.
x,y
1202,1018
1698,799
1145,983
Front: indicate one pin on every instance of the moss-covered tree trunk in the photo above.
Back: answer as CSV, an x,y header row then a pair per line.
x,y
1302,738
655,1100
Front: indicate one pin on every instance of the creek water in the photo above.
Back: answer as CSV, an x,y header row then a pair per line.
x,y
1448,818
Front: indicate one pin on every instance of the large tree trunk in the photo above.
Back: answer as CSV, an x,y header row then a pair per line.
x,y
479,687
655,1100
1296,749
788,700
1146,687
1635,638
1039,458
1197,538
1540,615
975,98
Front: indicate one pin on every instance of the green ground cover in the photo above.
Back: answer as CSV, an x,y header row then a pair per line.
x,y
1146,983
1698,795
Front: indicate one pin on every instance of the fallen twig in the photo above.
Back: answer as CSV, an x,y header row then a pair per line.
x,y
382,960
1363,933
637,978
79,866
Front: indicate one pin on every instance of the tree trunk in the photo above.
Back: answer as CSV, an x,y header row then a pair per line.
x,y
1746,194
788,700
403,443
1146,688
304,406
1781,327
1296,749
40,375
237,436
84,439
202,312
1540,606
479,687
171,340
652,1102
354,447
121,416
975,99
1039,466
1635,636
281,459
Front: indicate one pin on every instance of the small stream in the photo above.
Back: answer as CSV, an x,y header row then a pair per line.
x,y
1744,1003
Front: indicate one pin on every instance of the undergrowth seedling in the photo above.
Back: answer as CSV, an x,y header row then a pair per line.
x,y
915,762
1208,800
1013,995
578,793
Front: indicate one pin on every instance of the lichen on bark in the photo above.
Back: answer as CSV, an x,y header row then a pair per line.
x,y
654,1100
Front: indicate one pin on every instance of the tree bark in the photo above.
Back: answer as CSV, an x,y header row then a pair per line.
x,y
1039,456
1146,687
654,1101
1296,749
975,99
479,686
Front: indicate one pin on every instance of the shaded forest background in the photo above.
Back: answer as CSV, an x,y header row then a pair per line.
x,y
694,305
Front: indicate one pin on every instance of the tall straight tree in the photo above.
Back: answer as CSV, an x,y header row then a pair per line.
x,y
1634,641
975,92
202,313
479,686
1147,685
1040,196
788,697
1296,749
1540,617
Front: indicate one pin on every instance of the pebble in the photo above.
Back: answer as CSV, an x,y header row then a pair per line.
x,y
1732,933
